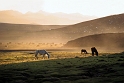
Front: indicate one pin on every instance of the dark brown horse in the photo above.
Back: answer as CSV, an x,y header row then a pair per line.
x,y
83,51
94,50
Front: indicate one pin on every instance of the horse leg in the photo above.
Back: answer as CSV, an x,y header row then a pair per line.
x,y
36,57
86,52
43,56
81,51
92,53
96,53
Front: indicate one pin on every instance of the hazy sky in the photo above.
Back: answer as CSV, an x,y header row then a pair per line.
x,y
86,7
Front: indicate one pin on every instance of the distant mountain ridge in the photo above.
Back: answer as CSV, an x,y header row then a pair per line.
x,y
42,18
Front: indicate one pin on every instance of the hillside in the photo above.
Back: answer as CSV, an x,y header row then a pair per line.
x,y
22,68
108,40
109,24
12,32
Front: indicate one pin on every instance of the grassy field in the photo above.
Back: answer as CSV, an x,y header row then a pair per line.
x,y
63,67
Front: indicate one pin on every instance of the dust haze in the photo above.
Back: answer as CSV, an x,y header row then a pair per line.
x,y
104,33
104,42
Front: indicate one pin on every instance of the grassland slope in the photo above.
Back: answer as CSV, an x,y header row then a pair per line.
x,y
106,40
108,68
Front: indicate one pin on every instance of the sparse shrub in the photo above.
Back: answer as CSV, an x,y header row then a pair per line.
x,y
76,57
122,64
102,60
120,60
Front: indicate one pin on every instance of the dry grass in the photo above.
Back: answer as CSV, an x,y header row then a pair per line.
x,y
28,56
28,45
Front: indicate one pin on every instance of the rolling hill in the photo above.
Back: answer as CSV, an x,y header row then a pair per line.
x,y
13,32
106,40
109,24
63,34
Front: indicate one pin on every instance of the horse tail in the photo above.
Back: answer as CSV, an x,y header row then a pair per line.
x,y
36,53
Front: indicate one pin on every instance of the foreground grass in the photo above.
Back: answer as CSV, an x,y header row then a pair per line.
x,y
102,69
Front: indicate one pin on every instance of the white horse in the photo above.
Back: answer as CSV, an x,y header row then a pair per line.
x,y
42,52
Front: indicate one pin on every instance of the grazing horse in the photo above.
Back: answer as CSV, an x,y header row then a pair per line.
x,y
42,52
84,51
94,50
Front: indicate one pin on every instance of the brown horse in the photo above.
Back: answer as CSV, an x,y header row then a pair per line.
x,y
94,50
83,51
